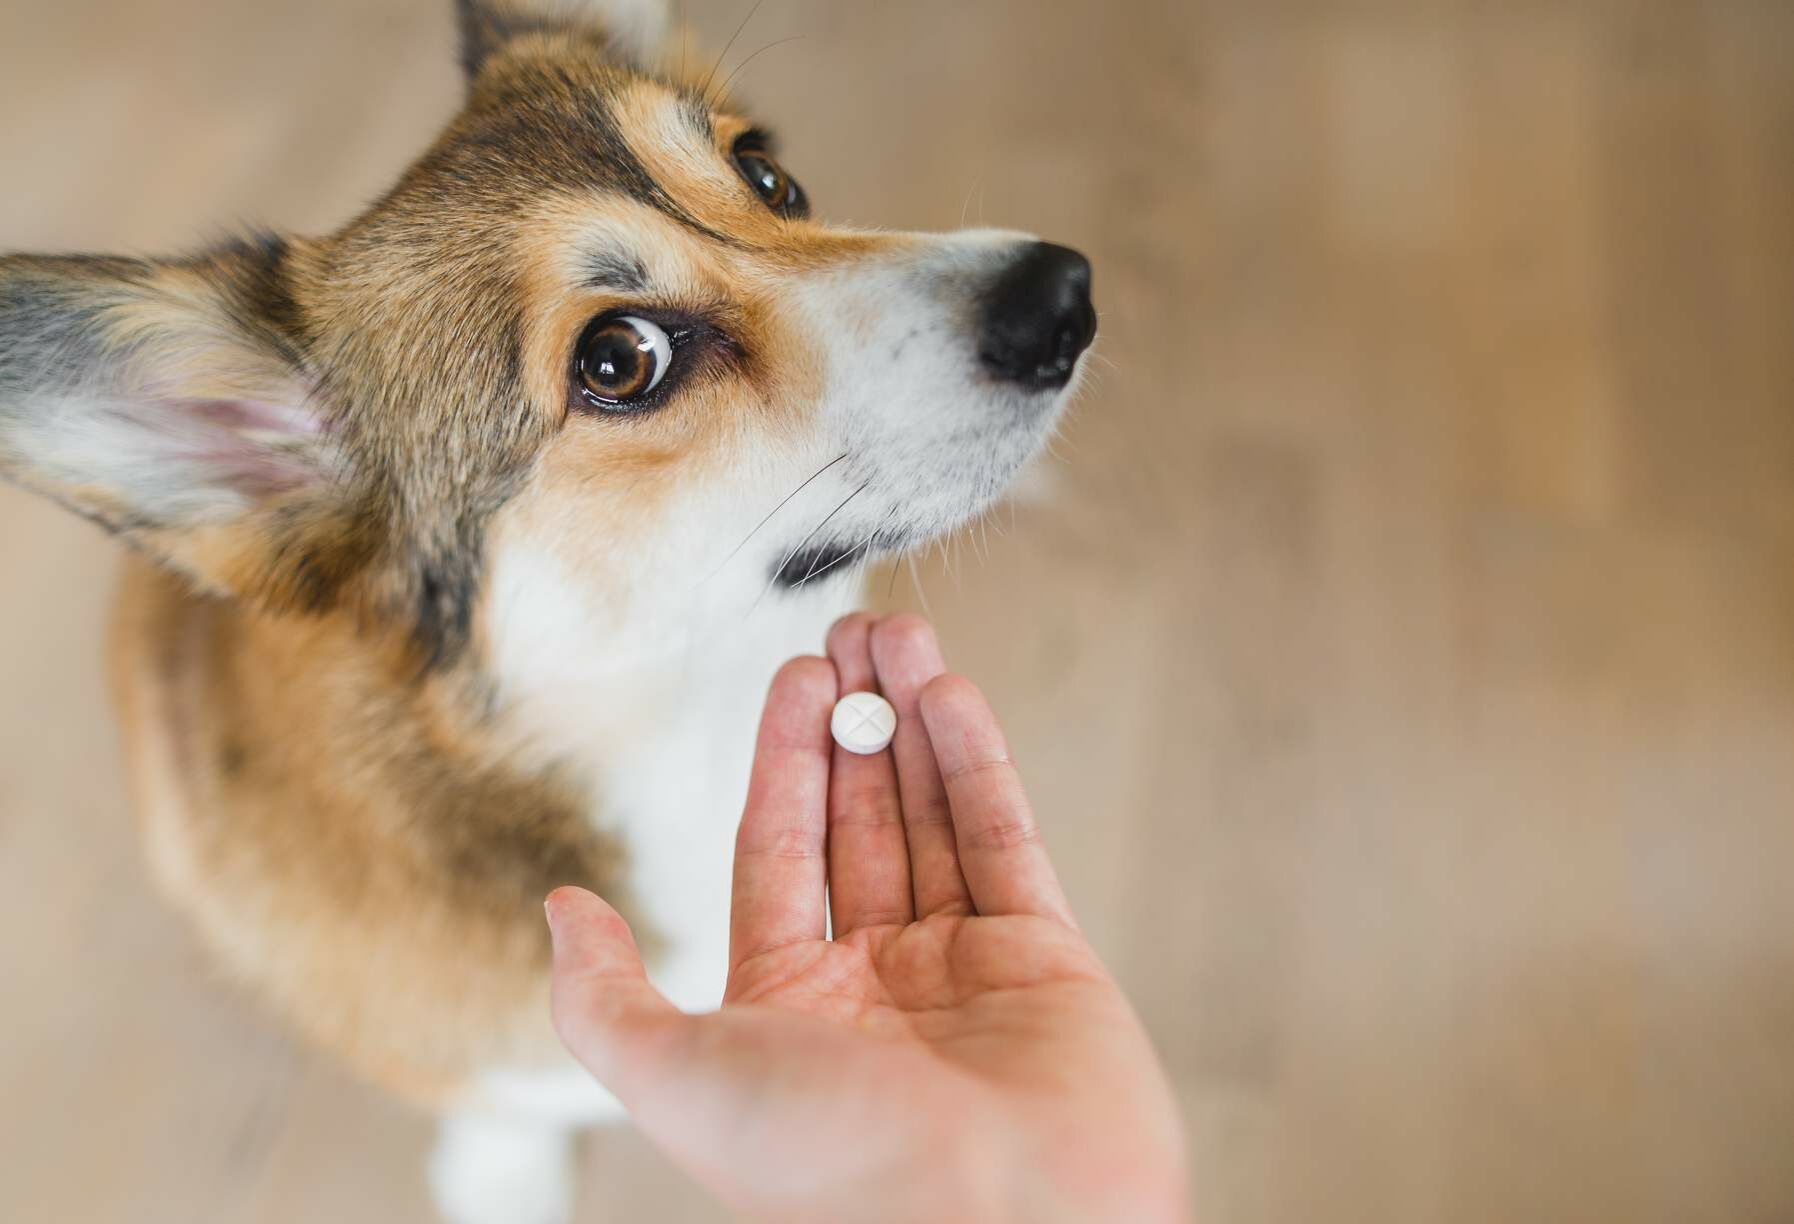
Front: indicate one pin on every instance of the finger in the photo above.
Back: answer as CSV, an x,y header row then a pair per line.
x,y
780,869
1000,851
868,855
604,1008
907,656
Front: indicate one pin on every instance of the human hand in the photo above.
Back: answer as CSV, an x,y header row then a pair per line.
x,y
955,1051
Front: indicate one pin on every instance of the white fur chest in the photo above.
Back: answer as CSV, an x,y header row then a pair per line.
x,y
655,718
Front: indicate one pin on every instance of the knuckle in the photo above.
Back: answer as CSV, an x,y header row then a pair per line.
x,y
958,905
788,842
1009,833
932,813
881,917
867,804
972,769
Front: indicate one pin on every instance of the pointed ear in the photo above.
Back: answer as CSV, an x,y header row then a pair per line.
x,y
169,402
632,30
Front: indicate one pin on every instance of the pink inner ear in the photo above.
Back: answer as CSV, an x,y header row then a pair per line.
x,y
252,447
257,415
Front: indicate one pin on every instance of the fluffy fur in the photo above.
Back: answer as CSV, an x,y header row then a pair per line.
x,y
411,634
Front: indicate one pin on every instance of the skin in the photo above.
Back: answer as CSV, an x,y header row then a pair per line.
x,y
955,1051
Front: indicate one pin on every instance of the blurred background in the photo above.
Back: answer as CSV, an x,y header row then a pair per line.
x,y
1400,645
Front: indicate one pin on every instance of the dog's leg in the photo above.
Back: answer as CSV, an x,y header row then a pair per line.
x,y
490,1169
508,1156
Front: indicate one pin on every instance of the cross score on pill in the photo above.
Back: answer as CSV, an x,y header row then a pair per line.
x,y
863,723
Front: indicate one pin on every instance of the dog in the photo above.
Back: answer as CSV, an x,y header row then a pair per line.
x,y
463,543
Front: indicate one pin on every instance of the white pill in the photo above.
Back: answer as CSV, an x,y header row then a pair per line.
x,y
863,723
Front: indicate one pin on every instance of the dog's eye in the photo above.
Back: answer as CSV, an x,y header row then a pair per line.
x,y
622,359
770,182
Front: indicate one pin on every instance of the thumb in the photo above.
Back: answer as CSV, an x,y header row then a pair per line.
x,y
605,1010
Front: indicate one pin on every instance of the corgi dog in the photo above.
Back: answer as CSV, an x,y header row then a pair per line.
x,y
463,543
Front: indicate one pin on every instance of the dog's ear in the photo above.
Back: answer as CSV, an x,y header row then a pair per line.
x,y
170,403
632,31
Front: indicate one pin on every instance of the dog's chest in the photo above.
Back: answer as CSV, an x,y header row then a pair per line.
x,y
656,723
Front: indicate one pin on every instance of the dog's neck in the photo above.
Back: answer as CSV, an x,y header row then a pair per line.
x,y
583,683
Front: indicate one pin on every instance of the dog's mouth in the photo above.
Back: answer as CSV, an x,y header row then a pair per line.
x,y
819,561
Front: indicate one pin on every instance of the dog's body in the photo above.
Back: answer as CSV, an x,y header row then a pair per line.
x,y
372,858
471,535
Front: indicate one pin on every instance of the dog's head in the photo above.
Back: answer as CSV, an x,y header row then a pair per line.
x,y
594,334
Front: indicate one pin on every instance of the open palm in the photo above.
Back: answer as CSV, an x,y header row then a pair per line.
x,y
955,1050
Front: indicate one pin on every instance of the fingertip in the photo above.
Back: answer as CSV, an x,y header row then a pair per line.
x,y
907,655
560,906
805,680
575,917
850,634
562,899
906,632
850,647
949,693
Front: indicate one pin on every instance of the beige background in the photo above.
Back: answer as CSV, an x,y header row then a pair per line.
x,y
1401,648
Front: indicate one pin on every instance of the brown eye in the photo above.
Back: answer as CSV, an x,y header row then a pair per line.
x,y
622,359
771,183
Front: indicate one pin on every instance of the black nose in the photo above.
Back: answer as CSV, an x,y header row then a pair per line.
x,y
1038,318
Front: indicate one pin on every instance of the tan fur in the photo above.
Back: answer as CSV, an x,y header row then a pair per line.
x,y
343,838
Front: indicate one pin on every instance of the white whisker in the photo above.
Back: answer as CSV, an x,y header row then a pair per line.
x,y
787,499
817,573
805,541
729,46
722,95
915,580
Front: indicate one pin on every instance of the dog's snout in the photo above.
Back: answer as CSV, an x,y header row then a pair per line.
x,y
1038,318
